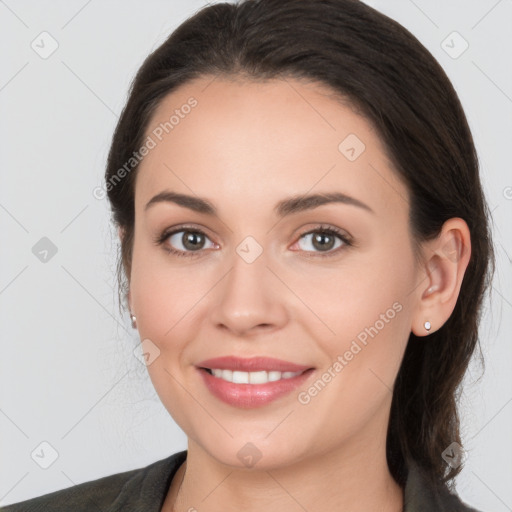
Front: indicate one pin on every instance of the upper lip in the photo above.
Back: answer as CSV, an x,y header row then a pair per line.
x,y
252,364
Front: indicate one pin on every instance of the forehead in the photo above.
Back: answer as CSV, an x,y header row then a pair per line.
x,y
252,141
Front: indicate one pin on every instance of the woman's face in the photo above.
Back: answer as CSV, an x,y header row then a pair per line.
x,y
255,279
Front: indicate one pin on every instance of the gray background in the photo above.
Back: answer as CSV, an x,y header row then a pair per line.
x,y
68,374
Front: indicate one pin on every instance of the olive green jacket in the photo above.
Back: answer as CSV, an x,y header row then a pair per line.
x,y
145,489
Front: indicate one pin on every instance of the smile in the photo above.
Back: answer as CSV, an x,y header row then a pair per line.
x,y
246,390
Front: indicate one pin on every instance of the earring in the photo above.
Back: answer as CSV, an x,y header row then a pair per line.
x,y
427,325
134,321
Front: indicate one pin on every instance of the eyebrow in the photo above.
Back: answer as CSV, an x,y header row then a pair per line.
x,y
289,206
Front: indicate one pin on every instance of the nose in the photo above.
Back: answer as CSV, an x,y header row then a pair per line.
x,y
250,299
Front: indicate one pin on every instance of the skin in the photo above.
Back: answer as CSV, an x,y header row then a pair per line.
x,y
245,147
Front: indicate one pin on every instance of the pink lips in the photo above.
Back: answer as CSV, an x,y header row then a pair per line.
x,y
251,395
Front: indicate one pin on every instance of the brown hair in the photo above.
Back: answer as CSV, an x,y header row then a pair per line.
x,y
398,86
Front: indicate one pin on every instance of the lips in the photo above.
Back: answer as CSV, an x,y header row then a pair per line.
x,y
255,382
253,364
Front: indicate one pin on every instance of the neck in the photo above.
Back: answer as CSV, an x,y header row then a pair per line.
x,y
337,480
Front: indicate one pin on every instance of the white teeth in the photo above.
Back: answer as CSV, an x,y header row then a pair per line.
x,y
258,377
261,377
240,377
272,376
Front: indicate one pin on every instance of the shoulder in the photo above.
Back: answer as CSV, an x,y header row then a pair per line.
x,y
420,495
140,487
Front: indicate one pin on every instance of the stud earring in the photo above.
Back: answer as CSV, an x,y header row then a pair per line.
x,y
427,325
134,321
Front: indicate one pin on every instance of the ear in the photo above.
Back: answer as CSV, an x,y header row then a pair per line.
x,y
445,259
121,233
129,299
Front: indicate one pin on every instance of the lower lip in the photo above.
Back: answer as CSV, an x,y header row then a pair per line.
x,y
248,396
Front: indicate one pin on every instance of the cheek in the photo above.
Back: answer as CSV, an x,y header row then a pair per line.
x,y
163,290
371,324
360,312
351,295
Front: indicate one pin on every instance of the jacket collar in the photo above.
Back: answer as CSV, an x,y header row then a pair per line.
x,y
422,496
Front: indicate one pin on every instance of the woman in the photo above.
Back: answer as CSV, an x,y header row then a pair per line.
x,y
304,251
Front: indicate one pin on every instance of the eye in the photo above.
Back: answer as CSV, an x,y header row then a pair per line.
x,y
324,240
184,241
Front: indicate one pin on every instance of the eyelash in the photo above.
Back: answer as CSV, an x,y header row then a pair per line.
x,y
328,230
